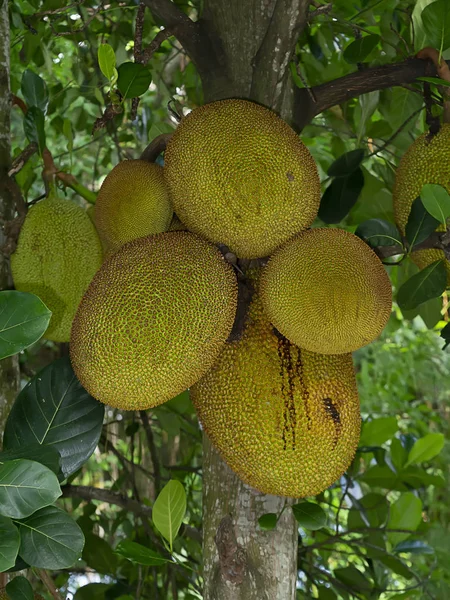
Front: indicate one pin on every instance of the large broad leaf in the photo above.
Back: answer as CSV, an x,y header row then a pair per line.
x,y
406,514
426,448
309,515
53,409
414,547
436,22
353,578
9,543
20,589
397,566
50,539
140,554
25,487
436,201
346,164
360,49
134,79
24,318
98,554
378,431
34,127
424,285
169,510
420,224
34,90
268,521
378,232
46,455
340,196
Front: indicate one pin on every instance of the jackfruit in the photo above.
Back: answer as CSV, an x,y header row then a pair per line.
x,y
153,320
133,202
425,161
327,291
57,255
239,175
285,420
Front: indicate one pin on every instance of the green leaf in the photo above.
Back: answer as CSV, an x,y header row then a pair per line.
x,y
326,593
378,476
46,455
53,409
346,164
24,318
360,49
426,448
413,547
435,80
68,134
445,334
169,510
420,224
9,543
99,555
20,589
424,285
406,513
397,566
50,539
340,196
34,90
107,62
26,486
436,201
134,79
436,22
378,431
140,554
353,578
399,454
430,311
34,127
309,515
378,232
268,521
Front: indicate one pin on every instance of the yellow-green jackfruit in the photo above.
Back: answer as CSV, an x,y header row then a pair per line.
x,y
285,420
327,291
425,161
57,255
133,202
240,176
153,320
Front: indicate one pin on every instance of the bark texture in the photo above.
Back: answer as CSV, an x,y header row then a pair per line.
x,y
9,367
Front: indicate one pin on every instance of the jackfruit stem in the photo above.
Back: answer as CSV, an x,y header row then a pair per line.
x,y
156,147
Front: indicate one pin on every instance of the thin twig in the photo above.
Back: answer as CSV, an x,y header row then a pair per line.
x,y
19,162
49,584
152,448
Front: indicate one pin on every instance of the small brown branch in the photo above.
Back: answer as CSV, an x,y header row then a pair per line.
x,y
108,115
85,25
16,101
443,72
156,42
320,10
19,162
439,240
156,147
153,452
138,32
49,584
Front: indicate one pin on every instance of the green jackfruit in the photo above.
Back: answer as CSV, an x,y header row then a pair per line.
x,y
153,320
285,420
57,255
240,176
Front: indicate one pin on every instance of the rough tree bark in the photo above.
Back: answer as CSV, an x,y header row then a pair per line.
x,y
9,367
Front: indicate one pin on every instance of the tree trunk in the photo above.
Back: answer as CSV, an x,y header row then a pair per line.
x,y
9,367
254,41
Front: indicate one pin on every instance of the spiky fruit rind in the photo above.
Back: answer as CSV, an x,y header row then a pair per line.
x,y
57,255
133,202
153,320
239,175
425,161
327,291
285,420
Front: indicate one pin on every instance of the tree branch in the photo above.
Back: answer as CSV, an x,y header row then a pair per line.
x,y
355,84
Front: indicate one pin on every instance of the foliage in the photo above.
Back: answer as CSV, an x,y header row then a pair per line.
x,y
382,531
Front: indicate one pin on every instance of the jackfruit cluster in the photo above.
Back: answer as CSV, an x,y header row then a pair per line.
x,y
425,161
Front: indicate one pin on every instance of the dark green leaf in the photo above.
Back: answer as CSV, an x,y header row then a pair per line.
x,y
426,448
93,591
9,543
340,196
53,409
309,515
413,546
20,589
406,514
435,80
140,554
360,49
24,318
34,90
134,79
397,566
326,593
99,555
436,201
424,285
378,431
353,578
268,521
34,127
436,22
430,311
377,232
420,224
46,455
50,539
378,476
398,454
26,486
169,510
346,164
